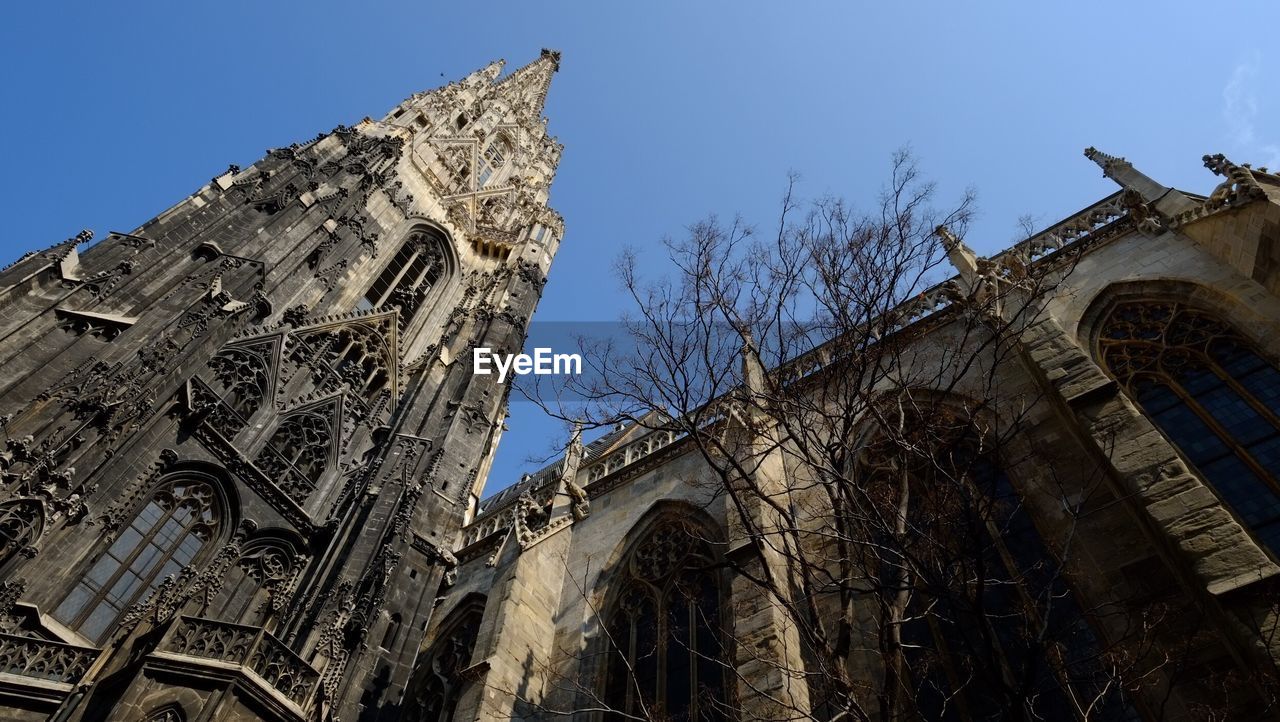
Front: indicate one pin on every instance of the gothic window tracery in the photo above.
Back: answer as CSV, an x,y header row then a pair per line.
x,y
358,354
409,277
492,160
302,443
258,582
179,520
664,630
245,376
1210,391
440,684
21,523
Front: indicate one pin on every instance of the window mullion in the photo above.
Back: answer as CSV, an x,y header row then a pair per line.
x,y
1226,438
1253,402
395,283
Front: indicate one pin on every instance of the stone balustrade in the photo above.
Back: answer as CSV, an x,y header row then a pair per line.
x,y
250,647
44,659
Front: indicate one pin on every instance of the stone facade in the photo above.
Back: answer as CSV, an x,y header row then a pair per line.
x,y
239,440
1151,531
244,452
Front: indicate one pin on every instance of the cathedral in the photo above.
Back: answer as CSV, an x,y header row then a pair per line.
x,y
244,454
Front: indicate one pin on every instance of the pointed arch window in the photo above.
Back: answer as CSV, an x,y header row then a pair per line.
x,y
254,588
1212,393
21,523
491,161
989,619
440,684
179,520
664,630
415,269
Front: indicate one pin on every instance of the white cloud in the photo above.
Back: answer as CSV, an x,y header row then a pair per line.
x,y
1240,111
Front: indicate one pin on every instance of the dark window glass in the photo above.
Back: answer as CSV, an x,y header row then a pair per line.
x,y
1215,398
665,649
165,536
412,272
438,684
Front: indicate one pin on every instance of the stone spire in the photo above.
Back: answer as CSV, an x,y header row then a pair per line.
x,y
489,72
526,88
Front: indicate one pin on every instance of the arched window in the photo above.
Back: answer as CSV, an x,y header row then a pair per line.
x,y
254,587
988,622
169,532
666,650
439,684
414,270
1211,393
491,161
357,353
21,523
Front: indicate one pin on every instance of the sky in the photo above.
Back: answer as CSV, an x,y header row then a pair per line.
x,y
669,112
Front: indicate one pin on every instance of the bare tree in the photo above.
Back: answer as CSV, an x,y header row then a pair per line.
x,y
860,414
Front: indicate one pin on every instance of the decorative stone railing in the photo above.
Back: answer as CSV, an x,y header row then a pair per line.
x,y
250,647
629,454
1066,232
44,659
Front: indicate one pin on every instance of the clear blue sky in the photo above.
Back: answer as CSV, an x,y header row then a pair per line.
x,y
669,111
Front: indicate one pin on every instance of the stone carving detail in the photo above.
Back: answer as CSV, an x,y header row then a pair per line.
x,y
245,372
250,647
1143,215
43,659
533,514
281,500
103,326
101,284
298,453
665,549
329,275
296,316
113,518
358,354
208,409
21,525
277,200
274,568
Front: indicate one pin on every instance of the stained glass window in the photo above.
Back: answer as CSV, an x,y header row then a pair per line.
x,y
1215,397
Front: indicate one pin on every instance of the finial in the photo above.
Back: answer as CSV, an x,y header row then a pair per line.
x,y
960,255
1104,160
1126,176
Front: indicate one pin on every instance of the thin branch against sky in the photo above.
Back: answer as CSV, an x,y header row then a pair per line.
x,y
668,111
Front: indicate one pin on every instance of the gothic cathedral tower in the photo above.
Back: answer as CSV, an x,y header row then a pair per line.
x,y
240,439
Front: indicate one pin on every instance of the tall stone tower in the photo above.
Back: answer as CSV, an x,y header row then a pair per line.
x,y
240,439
